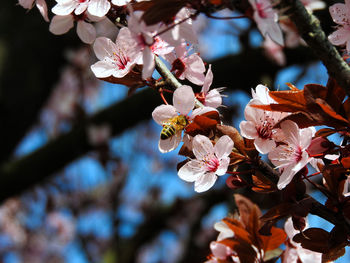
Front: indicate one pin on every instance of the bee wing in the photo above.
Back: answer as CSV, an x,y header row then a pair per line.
x,y
170,144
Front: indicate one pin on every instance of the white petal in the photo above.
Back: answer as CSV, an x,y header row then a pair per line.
x,y
225,231
104,47
291,131
163,113
101,69
205,182
286,177
61,24
148,63
202,146
86,32
183,99
223,147
248,129
41,5
264,146
213,99
99,7
64,8
208,80
169,144
81,8
191,171
222,169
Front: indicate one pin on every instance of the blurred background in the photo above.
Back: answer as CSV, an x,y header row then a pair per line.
x,y
81,176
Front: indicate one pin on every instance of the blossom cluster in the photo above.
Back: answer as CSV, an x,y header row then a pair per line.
x,y
278,124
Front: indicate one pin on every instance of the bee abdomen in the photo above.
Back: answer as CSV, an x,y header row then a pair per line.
x,y
167,132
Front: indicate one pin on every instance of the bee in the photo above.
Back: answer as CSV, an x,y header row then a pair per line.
x,y
172,126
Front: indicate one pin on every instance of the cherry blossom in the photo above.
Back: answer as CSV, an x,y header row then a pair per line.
x,y
291,157
267,20
183,101
40,4
147,43
260,125
97,8
115,58
86,31
211,161
294,252
340,15
185,65
213,97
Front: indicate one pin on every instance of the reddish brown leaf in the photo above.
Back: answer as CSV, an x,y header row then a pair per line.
x,y
262,184
330,112
238,229
202,124
346,162
325,132
234,135
279,107
278,236
346,106
246,208
294,98
278,211
132,79
315,239
235,182
292,87
333,254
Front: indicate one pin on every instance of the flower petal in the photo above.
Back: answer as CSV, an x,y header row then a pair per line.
x,y
205,182
64,8
86,32
61,24
213,98
163,113
202,146
99,7
41,5
191,171
208,80
102,69
248,129
183,99
170,144
222,169
148,63
339,13
223,147
264,146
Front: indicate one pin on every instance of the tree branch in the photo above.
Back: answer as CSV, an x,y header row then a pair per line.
x,y
310,29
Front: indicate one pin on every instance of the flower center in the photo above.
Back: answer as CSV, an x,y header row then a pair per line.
x,y
120,60
265,129
211,163
178,66
261,9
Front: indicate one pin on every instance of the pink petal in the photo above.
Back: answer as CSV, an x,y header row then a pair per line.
x,y
286,177
195,68
222,169
41,5
61,24
208,80
183,99
104,47
170,144
163,113
86,32
291,131
223,147
81,8
102,69
27,4
340,36
219,250
264,146
148,63
339,13
248,129
213,98
191,171
202,146
64,8
99,7
205,182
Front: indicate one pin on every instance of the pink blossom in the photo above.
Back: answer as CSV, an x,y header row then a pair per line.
x,y
294,252
62,24
146,43
260,125
97,8
183,101
187,66
211,161
267,20
115,58
340,15
213,97
40,4
291,157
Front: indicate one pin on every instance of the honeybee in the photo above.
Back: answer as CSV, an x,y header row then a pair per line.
x,y
172,126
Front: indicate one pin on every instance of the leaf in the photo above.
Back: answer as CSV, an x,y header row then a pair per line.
x,y
330,112
262,184
333,254
132,79
202,124
325,132
293,98
314,91
247,209
235,182
272,254
292,87
278,211
278,236
279,107
238,229
315,239
345,162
